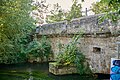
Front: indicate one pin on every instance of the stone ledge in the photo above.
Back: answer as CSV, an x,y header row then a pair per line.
x,y
61,70
89,25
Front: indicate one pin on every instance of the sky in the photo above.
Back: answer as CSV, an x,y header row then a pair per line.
x,y
65,4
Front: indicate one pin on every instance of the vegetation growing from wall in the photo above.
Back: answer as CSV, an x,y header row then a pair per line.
x,y
71,55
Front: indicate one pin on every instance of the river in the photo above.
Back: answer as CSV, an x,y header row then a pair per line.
x,y
35,71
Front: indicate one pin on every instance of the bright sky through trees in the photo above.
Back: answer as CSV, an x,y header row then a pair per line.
x,y
66,4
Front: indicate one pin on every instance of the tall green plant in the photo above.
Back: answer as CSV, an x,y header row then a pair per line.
x,y
68,53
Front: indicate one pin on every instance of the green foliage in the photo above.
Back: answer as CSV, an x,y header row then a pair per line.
x,y
75,11
15,28
56,17
100,7
82,65
105,6
15,24
68,53
39,48
111,8
71,55
59,15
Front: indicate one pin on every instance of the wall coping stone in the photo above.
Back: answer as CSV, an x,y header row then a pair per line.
x,y
89,25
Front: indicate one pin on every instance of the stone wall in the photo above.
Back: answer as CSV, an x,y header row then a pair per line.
x,y
89,24
98,43
99,51
62,70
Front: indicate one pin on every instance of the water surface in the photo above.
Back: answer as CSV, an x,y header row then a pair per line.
x,y
36,71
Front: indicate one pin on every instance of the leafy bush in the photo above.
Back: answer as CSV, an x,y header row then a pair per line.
x,y
15,22
39,48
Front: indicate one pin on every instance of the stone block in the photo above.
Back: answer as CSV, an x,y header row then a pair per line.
x,y
61,70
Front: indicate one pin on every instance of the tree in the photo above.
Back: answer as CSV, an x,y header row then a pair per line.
x,y
58,14
15,24
40,8
100,7
75,11
111,8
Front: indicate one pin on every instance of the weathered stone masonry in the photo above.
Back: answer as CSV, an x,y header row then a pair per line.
x,y
98,43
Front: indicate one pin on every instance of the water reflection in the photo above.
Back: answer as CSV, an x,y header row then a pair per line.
x,y
37,71
30,74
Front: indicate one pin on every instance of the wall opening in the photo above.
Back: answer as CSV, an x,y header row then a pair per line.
x,y
97,50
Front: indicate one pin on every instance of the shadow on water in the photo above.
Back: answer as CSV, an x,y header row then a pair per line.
x,y
35,71
103,76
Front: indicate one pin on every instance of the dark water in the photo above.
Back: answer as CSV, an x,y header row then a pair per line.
x,y
36,71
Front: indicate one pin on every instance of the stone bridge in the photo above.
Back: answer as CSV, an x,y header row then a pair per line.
x,y
98,43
